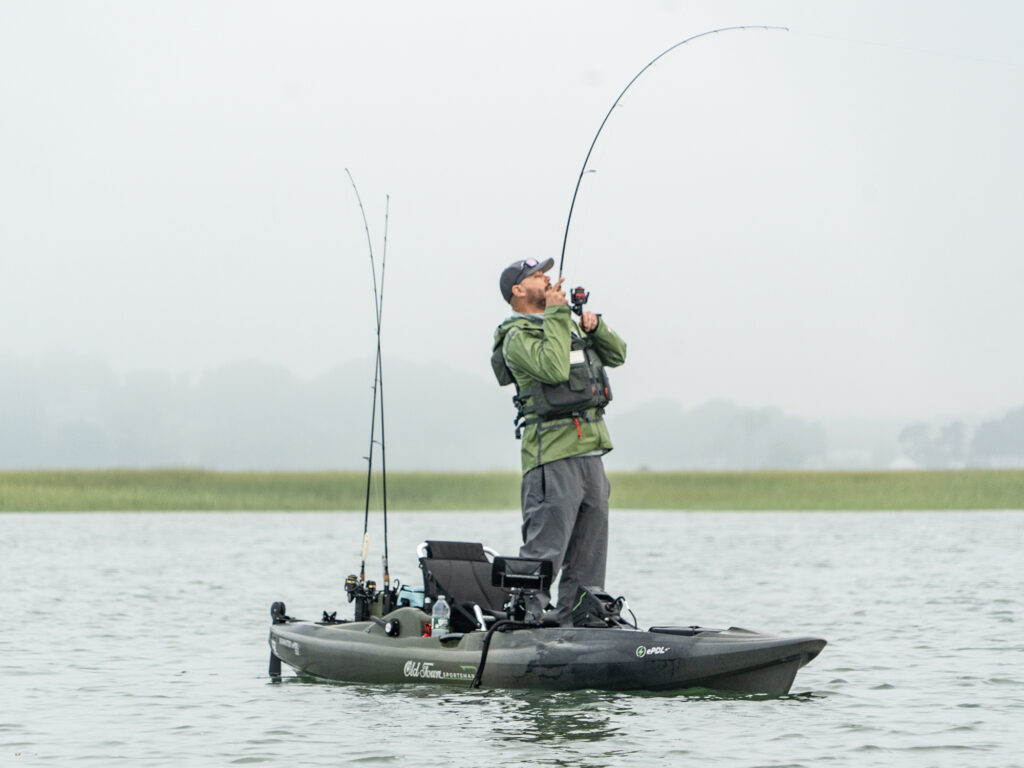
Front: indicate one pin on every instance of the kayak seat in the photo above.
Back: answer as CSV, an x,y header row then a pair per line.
x,y
461,571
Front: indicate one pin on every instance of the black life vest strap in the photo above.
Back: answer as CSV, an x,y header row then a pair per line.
x,y
566,419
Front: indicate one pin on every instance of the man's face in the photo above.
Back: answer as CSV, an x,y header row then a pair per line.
x,y
534,286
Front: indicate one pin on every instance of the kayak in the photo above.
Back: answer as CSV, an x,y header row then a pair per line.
x,y
495,650
553,658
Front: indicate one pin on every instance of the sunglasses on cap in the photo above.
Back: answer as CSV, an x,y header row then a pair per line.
x,y
527,265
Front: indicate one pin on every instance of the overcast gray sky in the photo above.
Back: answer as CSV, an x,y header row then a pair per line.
x,y
826,220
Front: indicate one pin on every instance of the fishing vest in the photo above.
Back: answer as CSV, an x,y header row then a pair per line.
x,y
587,388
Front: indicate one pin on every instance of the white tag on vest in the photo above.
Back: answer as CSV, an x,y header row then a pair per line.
x,y
576,357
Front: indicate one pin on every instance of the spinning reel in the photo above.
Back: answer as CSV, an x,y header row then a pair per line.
x,y
577,298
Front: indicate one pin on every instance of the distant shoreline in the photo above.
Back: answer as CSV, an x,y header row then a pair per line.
x,y
203,490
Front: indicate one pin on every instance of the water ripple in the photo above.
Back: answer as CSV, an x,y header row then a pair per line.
x,y
165,664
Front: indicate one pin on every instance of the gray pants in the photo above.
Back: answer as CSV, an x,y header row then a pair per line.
x,y
565,520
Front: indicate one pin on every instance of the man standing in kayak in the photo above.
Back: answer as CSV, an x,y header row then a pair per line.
x,y
561,392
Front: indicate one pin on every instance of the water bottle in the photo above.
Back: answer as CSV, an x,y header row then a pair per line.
x,y
440,616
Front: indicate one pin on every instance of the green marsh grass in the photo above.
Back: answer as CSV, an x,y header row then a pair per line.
x,y
199,490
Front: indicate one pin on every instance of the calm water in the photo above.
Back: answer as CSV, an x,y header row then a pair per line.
x,y
140,639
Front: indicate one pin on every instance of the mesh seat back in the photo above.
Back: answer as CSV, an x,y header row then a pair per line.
x,y
461,572
456,550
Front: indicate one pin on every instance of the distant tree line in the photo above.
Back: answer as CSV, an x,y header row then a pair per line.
x,y
994,443
77,413
716,435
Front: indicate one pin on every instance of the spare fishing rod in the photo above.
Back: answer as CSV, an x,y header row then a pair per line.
x,y
388,595
376,376
579,295
360,590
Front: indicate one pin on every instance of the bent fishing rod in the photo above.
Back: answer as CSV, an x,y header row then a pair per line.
x,y
578,293
378,391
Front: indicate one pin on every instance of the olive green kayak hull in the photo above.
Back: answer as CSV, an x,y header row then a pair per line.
x,y
552,658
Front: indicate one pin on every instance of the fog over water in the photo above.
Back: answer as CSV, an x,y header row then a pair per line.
x,y
822,224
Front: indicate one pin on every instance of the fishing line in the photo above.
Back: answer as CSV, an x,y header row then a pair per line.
x,y
636,77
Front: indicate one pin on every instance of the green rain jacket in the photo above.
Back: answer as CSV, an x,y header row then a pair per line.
x,y
538,350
